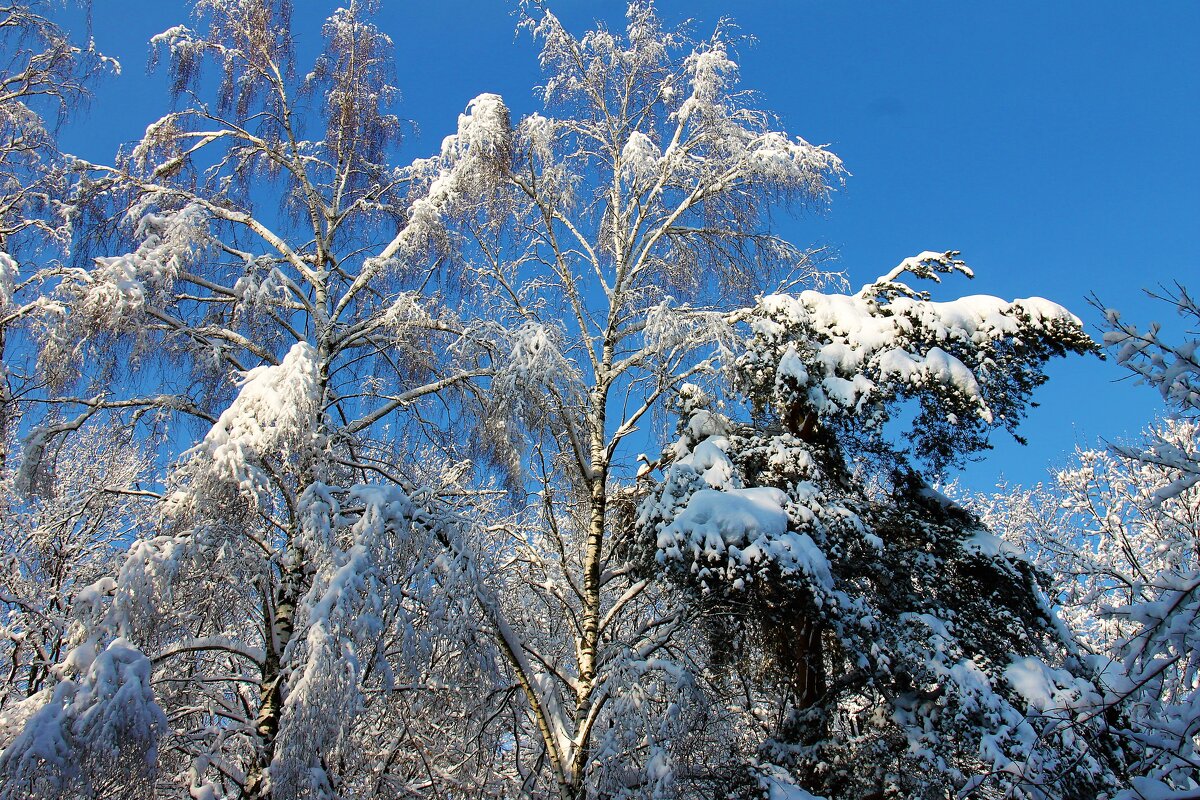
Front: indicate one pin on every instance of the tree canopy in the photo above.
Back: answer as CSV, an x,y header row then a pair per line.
x,y
345,477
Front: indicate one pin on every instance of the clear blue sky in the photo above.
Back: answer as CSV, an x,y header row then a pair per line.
x,y
1054,143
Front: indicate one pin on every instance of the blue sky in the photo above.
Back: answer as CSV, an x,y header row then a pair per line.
x,y
1054,144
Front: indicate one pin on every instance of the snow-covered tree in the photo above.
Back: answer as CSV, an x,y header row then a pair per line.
x,y
880,641
94,736
609,239
43,73
1118,540
1173,368
62,535
76,714
278,318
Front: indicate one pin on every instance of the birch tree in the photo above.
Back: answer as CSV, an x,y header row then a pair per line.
x,y
622,228
277,311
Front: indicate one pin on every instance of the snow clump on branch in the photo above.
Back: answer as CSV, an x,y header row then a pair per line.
x,y
471,165
271,421
101,725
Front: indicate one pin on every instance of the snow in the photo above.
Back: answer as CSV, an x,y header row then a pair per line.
x,y
709,459
1045,689
1149,788
470,163
854,354
1171,367
263,286
319,708
272,417
172,37
112,295
791,366
729,533
776,159
779,784
8,278
534,351
539,132
104,721
926,265
711,72
535,362
948,370
639,158
704,424
483,129
736,516
990,545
